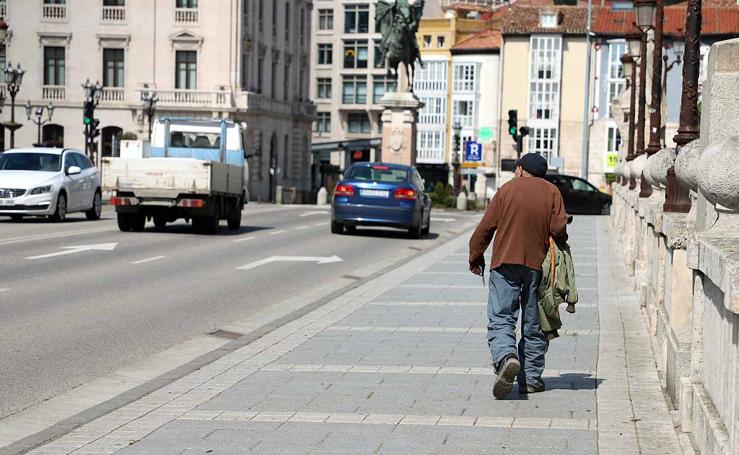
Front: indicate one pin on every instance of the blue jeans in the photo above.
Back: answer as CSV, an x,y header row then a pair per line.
x,y
513,287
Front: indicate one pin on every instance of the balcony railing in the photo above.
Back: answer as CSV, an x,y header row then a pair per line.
x,y
53,92
3,9
113,95
55,12
186,15
113,14
193,98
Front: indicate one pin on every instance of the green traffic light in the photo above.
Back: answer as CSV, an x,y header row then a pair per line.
x,y
87,120
512,131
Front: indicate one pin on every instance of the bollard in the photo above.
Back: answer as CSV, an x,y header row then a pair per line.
x,y
278,195
322,196
462,201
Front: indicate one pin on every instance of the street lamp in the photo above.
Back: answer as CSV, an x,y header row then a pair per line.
x,y
457,127
630,73
13,81
678,47
149,98
677,198
38,112
646,12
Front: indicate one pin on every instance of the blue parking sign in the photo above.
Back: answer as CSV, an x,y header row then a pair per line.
x,y
473,152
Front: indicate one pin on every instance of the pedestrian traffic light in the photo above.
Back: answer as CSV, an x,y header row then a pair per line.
x,y
88,112
513,122
523,131
94,131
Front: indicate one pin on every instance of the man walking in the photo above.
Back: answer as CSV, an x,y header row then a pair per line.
x,y
524,213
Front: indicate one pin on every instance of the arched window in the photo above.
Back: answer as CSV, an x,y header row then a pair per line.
x,y
111,141
52,135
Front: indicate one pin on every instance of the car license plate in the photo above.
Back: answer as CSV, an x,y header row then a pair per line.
x,y
7,203
374,193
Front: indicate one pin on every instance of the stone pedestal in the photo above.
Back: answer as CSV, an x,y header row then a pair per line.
x,y
399,120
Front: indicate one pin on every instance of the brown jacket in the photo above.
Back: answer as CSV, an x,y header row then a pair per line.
x,y
524,213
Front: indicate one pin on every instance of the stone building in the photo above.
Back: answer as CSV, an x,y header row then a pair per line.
x,y
244,60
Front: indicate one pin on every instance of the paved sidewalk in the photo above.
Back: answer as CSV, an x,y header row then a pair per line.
x,y
400,366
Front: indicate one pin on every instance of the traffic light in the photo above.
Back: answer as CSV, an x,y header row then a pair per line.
x,y
94,131
513,122
88,112
523,131
457,140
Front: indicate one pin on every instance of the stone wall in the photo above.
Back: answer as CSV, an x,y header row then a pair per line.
x,y
686,266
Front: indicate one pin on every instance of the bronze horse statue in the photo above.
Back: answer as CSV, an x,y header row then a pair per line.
x,y
397,21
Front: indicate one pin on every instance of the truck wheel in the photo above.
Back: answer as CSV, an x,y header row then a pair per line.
x,y
234,222
124,221
160,223
137,223
207,225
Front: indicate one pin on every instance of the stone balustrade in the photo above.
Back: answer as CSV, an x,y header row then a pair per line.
x,y
686,266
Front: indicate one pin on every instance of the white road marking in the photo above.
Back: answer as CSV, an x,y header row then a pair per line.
x,y
4,289
144,261
443,220
245,239
316,259
300,228
281,231
30,238
77,249
320,224
321,212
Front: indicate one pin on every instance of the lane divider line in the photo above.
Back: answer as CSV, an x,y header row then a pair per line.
x,y
144,261
4,289
30,238
320,224
300,228
245,239
281,231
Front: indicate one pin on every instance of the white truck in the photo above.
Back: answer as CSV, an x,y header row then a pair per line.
x,y
197,170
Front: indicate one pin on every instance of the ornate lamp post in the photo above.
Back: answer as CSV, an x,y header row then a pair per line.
x,y
39,121
677,198
457,127
650,15
149,98
630,72
13,80
633,38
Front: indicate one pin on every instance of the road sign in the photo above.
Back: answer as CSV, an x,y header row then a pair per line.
x,y
611,160
269,260
473,152
485,134
77,249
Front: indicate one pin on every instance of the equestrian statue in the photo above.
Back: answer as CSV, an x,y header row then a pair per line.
x,y
397,21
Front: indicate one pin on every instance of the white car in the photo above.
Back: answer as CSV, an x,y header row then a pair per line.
x,y
48,182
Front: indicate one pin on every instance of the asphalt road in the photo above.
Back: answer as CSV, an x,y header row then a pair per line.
x,y
66,319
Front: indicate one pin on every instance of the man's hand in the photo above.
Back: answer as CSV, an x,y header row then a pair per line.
x,y
477,269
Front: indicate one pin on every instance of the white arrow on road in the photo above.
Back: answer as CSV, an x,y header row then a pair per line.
x,y
316,259
77,249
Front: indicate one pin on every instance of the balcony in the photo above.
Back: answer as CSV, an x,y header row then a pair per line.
x,y
186,16
113,95
54,13
53,92
180,98
113,14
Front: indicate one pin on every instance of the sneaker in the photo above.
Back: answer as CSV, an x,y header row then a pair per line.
x,y
531,388
507,371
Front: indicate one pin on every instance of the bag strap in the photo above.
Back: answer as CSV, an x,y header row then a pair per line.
x,y
551,255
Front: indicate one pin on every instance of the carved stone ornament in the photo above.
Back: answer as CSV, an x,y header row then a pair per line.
x,y
396,140
637,166
686,165
717,171
655,171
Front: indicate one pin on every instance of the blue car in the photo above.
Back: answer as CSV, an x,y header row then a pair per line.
x,y
380,194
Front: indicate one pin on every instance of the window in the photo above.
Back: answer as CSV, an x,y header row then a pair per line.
x,y
287,22
113,68
114,2
616,81
434,110
464,112
187,3
55,2
186,69
380,86
273,80
324,88
274,18
614,139
543,98
355,54
3,56
426,41
548,19
464,77
245,72
325,54
54,66
286,83
543,141
582,185
358,122
546,56
431,78
260,74
302,25
431,146
440,41
325,19
356,19
354,90
322,123
286,168
379,61
260,15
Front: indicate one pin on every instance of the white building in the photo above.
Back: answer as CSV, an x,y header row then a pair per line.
x,y
245,60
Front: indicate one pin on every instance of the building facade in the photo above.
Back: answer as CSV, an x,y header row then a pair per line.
x,y
243,60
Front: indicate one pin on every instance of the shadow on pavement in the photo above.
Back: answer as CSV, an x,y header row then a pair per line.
x,y
387,234
183,229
